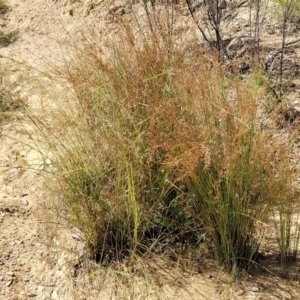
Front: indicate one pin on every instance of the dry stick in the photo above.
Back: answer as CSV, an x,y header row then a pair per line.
x,y
200,29
169,19
257,29
172,19
288,11
148,15
170,23
156,16
214,19
139,26
240,4
279,52
150,23
250,18
282,54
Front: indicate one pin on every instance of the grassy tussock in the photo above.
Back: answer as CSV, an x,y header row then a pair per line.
x,y
8,105
3,6
157,148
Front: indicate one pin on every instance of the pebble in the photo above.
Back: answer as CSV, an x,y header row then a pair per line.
x,y
11,173
9,283
31,295
253,288
54,295
25,202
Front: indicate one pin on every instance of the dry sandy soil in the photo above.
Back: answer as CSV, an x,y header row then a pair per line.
x,y
34,264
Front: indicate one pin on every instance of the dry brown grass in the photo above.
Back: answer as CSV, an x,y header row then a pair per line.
x,y
158,151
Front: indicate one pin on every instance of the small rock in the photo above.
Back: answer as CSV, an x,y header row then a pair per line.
x,y
12,173
11,274
76,237
9,283
73,272
253,288
22,294
54,295
31,295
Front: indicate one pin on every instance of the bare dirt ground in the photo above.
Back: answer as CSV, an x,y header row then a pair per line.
x,y
33,263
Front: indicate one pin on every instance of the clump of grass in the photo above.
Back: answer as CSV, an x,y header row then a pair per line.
x,y
286,213
234,192
121,188
8,105
156,147
8,38
3,7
